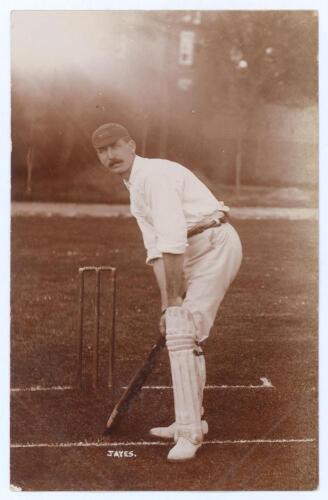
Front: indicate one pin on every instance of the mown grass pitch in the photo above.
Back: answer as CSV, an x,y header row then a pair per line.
x,y
266,327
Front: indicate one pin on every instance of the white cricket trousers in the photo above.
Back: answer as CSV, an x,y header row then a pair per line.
x,y
212,260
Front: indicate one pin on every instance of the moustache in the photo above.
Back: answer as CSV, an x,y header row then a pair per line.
x,y
115,162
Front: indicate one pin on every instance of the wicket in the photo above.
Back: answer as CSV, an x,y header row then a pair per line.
x,y
111,337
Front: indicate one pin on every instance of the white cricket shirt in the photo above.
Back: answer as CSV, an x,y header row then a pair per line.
x,y
167,199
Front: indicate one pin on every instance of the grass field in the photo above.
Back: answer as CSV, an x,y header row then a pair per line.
x,y
261,359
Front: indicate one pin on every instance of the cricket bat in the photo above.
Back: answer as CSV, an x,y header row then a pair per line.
x,y
135,384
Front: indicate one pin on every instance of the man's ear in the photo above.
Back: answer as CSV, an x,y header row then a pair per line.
x,y
132,145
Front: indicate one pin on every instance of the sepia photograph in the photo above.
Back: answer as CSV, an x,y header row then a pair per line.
x,y
164,250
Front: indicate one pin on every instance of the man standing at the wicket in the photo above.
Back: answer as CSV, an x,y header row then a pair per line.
x,y
195,254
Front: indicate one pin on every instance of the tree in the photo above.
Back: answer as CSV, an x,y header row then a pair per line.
x,y
263,55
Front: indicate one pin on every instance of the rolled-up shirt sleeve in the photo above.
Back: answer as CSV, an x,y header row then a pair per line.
x,y
149,239
167,214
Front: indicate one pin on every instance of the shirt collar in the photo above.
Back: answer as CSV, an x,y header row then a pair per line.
x,y
137,163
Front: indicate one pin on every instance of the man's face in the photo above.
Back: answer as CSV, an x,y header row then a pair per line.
x,y
118,157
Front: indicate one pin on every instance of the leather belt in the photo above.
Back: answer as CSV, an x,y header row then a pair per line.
x,y
200,228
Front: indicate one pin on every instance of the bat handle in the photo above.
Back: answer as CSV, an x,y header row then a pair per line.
x,y
111,418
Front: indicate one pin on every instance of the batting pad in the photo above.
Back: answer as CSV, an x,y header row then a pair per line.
x,y
187,374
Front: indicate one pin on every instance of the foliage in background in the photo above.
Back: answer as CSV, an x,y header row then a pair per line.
x,y
243,61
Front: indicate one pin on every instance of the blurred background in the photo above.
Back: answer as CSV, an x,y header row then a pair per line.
x,y
232,95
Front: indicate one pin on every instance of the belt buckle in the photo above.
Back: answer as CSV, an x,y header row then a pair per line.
x,y
216,222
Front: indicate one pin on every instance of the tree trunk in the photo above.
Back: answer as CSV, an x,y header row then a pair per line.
x,y
164,101
144,137
238,164
29,168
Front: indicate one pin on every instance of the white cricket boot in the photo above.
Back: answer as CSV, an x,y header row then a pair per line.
x,y
180,341
183,450
169,431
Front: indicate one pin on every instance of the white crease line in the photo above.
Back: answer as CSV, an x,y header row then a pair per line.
x,y
37,388
86,444
264,385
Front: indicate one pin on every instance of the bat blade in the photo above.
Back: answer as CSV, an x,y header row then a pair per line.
x,y
135,385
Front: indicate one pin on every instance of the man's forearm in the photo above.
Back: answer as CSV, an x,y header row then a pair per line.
x,y
159,271
173,265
